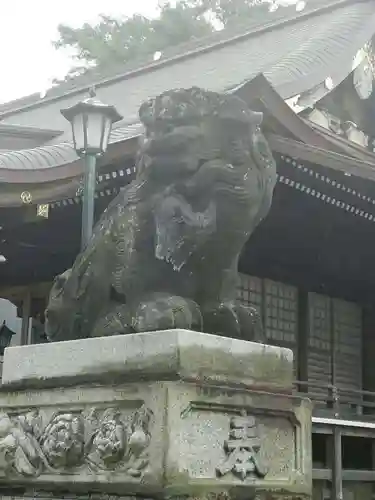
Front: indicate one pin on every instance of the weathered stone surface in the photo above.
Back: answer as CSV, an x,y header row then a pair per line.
x,y
195,429
168,354
243,441
84,438
99,439
165,253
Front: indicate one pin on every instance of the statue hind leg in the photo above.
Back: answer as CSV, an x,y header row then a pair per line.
x,y
232,319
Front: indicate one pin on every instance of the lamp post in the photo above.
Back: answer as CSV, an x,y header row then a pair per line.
x,y
91,122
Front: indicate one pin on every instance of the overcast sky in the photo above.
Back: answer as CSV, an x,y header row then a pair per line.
x,y
27,28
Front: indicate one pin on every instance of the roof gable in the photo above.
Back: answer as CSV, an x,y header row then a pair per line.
x,y
291,49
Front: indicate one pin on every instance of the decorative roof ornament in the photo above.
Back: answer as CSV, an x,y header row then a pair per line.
x,y
43,210
328,82
364,72
26,197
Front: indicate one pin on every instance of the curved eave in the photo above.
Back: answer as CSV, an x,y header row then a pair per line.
x,y
50,180
36,164
47,192
55,177
60,162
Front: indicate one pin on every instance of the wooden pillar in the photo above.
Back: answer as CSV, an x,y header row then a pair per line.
x,y
337,493
336,458
333,342
334,462
373,455
26,311
368,353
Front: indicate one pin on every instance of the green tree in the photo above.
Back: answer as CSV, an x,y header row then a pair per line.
x,y
113,41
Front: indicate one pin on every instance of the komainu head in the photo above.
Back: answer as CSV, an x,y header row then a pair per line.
x,y
185,127
190,106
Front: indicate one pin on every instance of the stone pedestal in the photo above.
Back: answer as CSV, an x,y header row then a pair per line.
x,y
163,414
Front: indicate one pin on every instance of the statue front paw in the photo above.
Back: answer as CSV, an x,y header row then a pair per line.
x,y
165,312
234,320
251,323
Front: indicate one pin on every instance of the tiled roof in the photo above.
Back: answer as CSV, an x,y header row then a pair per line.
x,y
295,51
38,158
125,132
292,55
16,130
56,155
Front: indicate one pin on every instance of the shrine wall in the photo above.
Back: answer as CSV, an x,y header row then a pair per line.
x,y
332,324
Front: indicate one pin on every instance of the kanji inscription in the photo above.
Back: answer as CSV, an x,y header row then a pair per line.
x,y
242,449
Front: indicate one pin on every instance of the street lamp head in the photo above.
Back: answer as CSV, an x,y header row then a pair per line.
x,y
91,122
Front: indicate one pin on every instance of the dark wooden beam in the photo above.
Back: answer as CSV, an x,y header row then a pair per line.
x,y
350,432
347,475
327,158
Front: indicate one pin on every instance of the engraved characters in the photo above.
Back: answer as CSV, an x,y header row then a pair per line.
x,y
242,449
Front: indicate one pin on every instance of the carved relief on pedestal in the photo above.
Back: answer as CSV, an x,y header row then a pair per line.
x,y
242,449
31,444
